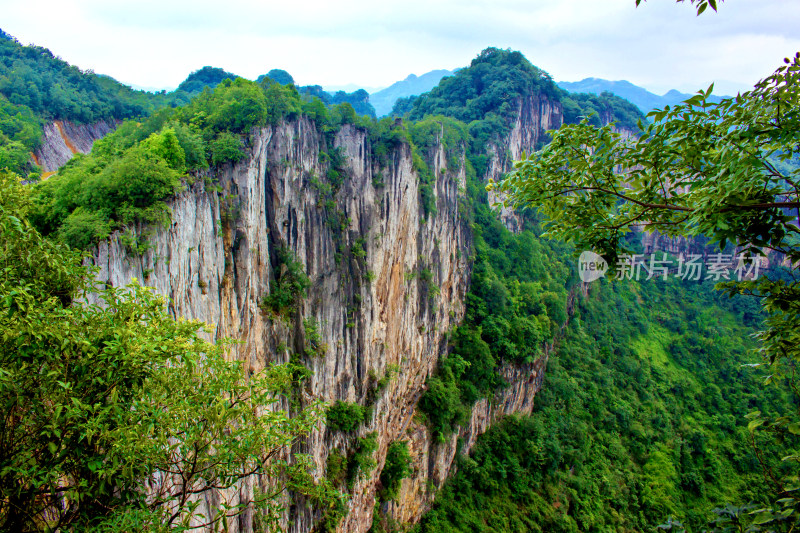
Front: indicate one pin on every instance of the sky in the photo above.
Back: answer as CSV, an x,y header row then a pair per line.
x,y
660,45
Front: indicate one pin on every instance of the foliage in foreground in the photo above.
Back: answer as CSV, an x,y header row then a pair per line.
x,y
726,170
117,417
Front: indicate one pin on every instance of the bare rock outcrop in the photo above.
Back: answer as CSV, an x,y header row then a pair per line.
x,y
63,139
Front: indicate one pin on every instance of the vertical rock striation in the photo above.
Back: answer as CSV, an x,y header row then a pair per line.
x,y
216,260
365,248
537,114
63,139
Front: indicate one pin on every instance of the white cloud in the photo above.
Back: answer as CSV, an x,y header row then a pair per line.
x,y
659,45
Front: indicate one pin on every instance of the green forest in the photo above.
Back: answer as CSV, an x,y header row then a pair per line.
x,y
641,420
641,415
37,87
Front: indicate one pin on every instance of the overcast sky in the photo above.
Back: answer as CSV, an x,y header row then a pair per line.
x,y
660,45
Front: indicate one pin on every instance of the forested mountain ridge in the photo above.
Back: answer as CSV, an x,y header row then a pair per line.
x,y
55,110
496,79
366,254
40,94
53,89
211,77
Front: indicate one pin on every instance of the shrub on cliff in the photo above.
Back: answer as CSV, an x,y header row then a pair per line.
x,y
396,468
226,147
345,416
362,461
288,287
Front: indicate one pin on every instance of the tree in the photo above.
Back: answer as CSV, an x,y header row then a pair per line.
x,y
396,468
117,417
702,5
726,170
281,76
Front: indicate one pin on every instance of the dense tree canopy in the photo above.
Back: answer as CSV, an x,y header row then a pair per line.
x,y
726,170
205,77
279,75
20,134
33,77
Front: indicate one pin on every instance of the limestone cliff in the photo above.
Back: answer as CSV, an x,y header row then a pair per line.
x,y
216,260
537,114
63,139
374,309
434,462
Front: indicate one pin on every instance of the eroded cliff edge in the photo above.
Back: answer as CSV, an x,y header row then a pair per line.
x,y
64,139
374,309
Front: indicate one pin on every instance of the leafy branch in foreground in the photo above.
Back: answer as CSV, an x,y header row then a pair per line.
x,y
726,170
117,417
719,169
701,5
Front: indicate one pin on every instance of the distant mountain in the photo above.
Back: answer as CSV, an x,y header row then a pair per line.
x,y
383,100
641,97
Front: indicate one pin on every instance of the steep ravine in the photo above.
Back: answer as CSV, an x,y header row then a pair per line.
x,y
215,262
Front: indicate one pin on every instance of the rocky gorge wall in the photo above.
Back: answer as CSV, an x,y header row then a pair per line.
x,y
64,139
374,310
537,114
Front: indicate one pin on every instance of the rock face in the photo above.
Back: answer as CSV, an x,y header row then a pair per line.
x,y
64,139
388,283
537,114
